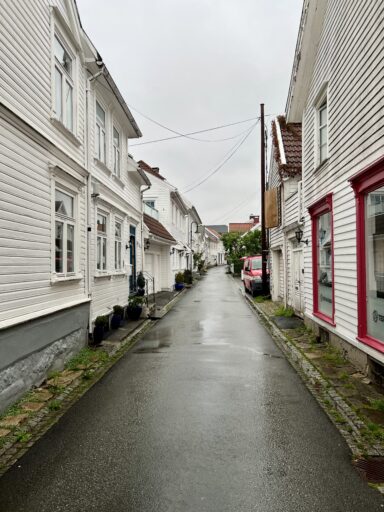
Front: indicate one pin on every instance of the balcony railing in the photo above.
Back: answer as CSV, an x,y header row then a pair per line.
x,y
152,212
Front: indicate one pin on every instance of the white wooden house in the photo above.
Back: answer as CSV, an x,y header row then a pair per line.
x,y
172,213
53,181
214,249
284,197
336,93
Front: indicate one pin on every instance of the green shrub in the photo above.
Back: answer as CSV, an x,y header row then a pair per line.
x,y
118,310
179,278
102,321
282,311
187,276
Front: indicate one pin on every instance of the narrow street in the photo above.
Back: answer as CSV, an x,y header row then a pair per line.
x,y
203,414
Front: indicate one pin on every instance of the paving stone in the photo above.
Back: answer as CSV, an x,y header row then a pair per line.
x,y
4,432
42,395
13,421
65,378
32,406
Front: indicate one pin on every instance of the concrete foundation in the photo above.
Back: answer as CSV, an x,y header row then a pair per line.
x,y
30,351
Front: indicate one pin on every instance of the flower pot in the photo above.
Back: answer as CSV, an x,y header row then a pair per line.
x,y
179,286
98,334
116,321
134,312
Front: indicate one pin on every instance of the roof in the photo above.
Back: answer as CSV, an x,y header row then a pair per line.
x,y
154,171
287,146
157,229
213,235
240,227
219,228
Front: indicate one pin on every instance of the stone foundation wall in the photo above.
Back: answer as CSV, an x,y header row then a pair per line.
x,y
35,349
357,357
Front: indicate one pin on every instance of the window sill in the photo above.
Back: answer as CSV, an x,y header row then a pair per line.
x,y
322,166
324,318
101,165
118,181
64,130
372,342
120,273
105,275
61,278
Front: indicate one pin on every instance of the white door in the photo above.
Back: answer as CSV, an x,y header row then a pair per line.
x,y
298,280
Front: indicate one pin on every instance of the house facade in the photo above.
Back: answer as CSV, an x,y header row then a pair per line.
x,y
214,250
69,195
284,215
336,94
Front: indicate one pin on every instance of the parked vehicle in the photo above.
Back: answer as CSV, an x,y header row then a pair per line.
x,y
251,275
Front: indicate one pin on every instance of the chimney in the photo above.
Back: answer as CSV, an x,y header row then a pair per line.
x,y
156,169
255,219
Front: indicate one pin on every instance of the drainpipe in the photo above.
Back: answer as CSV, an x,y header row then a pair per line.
x,y
88,279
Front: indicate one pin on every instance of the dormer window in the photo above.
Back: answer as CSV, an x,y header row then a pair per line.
x,y
63,84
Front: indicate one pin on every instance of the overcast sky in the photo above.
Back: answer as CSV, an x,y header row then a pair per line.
x,y
192,65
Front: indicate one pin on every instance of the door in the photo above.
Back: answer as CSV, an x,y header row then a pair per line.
x,y
132,258
298,280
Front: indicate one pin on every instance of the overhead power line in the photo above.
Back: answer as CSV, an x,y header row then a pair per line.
x,y
226,159
187,135
235,209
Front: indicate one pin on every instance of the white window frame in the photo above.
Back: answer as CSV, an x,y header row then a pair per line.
x,y
116,152
67,81
66,221
118,245
321,103
103,237
99,129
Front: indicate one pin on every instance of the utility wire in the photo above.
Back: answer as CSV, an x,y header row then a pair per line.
x,y
226,159
233,210
201,131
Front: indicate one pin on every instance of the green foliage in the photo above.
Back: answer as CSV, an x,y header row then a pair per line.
x,y
102,321
187,276
140,280
118,310
22,436
259,299
238,245
179,278
282,311
54,405
198,260
378,405
136,301
334,356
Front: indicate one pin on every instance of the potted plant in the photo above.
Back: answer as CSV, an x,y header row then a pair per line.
x,y
140,284
118,314
179,281
135,307
188,277
101,325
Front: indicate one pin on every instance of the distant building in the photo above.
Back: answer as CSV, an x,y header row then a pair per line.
x,y
243,227
219,228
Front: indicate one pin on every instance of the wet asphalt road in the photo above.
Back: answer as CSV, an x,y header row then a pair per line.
x,y
204,414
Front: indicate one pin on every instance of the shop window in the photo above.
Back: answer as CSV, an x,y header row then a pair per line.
x,y
322,259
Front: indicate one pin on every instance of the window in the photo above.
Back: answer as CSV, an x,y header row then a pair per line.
x,y
118,261
323,132
64,64
116,152
100,133
102,240
64,232
150,203
369,191
322,259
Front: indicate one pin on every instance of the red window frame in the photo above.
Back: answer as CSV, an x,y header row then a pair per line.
x,y
365,181
324,205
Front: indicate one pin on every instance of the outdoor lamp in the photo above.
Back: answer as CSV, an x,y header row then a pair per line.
x,y
299,236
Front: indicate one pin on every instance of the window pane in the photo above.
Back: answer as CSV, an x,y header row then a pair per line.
x,y
59,246
69,107
101,223
323,152
323,115
117,230
70,247
104,253
374,232
98,265
63,204
324,264
63,57
100,115
116,137
102,143
58,94
323,133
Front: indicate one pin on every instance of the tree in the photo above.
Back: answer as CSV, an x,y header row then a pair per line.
x,y
238,245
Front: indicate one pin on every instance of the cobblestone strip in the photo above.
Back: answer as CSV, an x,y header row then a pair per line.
x,y
334,405
44,419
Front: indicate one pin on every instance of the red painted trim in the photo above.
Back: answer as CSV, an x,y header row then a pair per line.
x,y
363,182
323,205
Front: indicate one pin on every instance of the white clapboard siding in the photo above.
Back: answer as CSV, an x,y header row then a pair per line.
x,y
25,233
25,78
351,59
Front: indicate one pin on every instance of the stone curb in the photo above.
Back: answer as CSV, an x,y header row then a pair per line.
x,y
43,420
328,398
